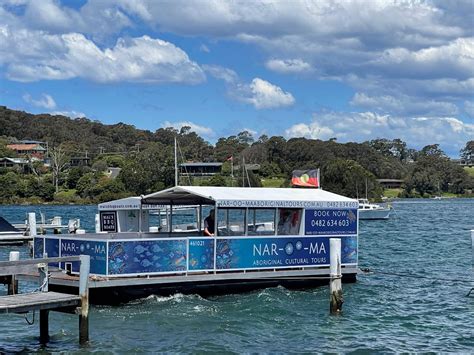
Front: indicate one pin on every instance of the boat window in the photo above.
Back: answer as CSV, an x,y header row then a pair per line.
x,y
185,219
289,221
261,221
231,221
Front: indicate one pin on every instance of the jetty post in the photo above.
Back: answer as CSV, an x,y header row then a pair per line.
x,y
32,224
43,313
13,285
97,223
84,295
335,282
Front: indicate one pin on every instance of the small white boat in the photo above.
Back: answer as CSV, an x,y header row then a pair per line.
x,y
11,235
369,210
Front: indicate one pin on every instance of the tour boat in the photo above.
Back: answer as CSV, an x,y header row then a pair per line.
x,y
263,237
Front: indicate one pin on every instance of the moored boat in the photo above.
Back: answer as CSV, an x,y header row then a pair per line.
x,y
369,210
11,235
259,237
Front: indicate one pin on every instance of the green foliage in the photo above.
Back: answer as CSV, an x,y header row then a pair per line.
x,y
469,170
4,151
273,182
217,180
149,171
73,176
9,184
100,166
349,178
467,153
434,173
226,169
269,170
391,148
112,161
66,197
392,193
147,161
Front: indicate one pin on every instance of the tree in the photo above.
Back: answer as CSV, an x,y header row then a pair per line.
x,y
348,178
432,150
269,170
227,147
9,184
245,137
59,161
4,151
467,153
390,148
433,173
74,175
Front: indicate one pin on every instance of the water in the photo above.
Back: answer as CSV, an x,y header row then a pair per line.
x,y
426,239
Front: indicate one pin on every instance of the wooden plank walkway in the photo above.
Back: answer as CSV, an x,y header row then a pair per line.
x,y
27,302
45,301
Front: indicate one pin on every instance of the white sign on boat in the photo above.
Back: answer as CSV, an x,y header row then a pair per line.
x,y
250,197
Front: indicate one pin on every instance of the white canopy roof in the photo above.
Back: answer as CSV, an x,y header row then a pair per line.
x,y
249,197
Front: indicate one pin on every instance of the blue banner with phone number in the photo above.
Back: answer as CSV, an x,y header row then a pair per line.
x,y
331,221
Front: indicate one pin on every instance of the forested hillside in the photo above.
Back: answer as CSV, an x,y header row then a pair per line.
x,y
146,160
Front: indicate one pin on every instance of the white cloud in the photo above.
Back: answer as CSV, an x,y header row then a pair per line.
x,y
253,132
71,114
46,101
264,95
46,14
99,19
204,48
449,132
259,93
312,130
200,130
388,51
403,104
287,66
455,59
28,56
218,72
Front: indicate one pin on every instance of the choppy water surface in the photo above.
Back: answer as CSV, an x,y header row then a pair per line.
x,y
427,239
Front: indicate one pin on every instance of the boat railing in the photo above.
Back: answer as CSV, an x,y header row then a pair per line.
x,y
115,255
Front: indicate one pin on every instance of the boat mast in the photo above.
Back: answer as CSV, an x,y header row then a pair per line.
x,y
366,195
175,163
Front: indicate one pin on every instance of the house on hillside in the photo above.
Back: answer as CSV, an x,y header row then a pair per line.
x,y
80,161
21,164
390,183
35,150
469,162
199,169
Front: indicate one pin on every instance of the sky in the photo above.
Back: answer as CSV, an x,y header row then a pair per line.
x,y
351,70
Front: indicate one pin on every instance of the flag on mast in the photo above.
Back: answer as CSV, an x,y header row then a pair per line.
x,y
306,178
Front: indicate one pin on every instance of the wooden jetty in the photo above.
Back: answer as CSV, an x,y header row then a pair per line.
x,y
43,300
22,233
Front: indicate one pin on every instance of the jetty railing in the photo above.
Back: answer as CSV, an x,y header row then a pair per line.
x,y
43,300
